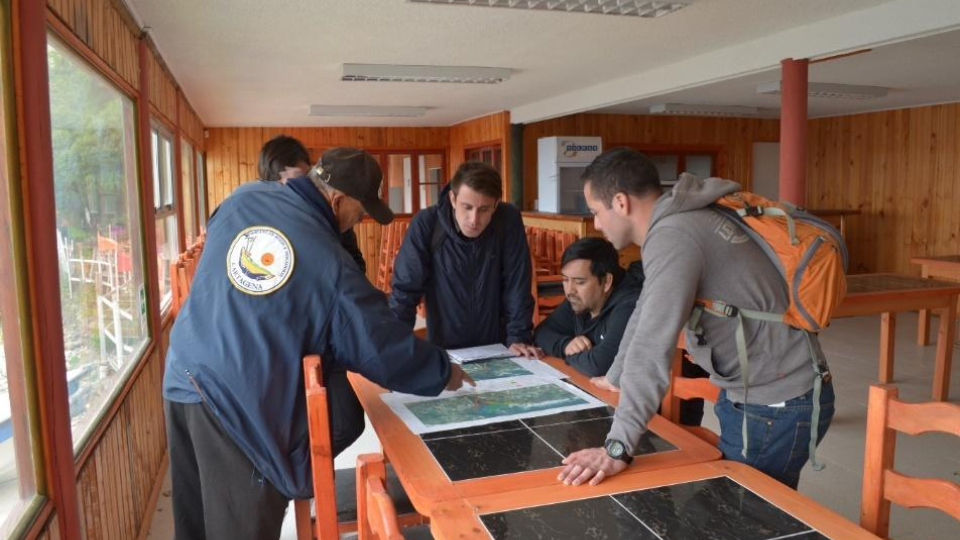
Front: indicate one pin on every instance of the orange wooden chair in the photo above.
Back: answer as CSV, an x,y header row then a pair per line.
x,y
688,388
325,526
376,514
390,241
540,286
881,483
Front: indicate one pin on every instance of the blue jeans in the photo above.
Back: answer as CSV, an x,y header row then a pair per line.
x,y
778,437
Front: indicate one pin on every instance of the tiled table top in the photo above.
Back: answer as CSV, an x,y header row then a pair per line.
x,y
526,445
718,500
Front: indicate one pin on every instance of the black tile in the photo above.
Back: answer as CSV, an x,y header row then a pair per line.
x,y
573,436
715,509
488,428
591,519
491,454
569,416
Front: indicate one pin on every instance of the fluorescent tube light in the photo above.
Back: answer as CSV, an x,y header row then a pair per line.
x,y
829,90
633,8
365,110
703,110
448,74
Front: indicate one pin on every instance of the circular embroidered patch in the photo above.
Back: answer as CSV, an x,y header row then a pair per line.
x,y
259,260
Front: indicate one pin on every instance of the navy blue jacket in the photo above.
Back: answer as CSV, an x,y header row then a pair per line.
x,y
604,331
241,354
477,289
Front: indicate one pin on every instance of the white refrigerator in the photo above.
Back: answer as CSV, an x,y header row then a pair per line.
x,y
560,163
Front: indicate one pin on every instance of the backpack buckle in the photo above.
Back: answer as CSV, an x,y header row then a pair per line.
x,y
730,311
753,211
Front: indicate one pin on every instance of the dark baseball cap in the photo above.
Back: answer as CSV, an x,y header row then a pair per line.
x,y
358,175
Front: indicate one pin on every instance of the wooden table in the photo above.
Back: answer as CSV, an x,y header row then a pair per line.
x,y
677,510
946,268
888,294
427,485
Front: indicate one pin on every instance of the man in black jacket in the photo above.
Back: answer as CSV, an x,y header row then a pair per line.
x,y
468,256
585,330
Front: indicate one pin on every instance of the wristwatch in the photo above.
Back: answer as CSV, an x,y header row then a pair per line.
x,y
618,450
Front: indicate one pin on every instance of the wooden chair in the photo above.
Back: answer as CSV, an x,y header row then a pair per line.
x,y
688,388
376,514
543,304
321,461
390,242
328,524
177,297
881,484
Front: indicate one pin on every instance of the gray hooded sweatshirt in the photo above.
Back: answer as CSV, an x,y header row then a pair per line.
x,y
693,251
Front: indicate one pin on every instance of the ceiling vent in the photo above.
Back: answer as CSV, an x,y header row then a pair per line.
x,y
365,110
633,8
829,90
703,110
432,74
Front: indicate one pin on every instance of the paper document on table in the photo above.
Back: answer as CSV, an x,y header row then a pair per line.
x,y
495,400
500,368
471,354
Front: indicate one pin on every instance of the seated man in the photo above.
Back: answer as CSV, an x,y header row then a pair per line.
x,y
585,330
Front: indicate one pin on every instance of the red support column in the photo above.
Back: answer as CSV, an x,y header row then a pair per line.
x,y
793,131
36,167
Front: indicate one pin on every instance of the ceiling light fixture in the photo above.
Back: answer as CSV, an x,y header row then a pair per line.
x,y
437,74
703,110
636,8
829,90
365,110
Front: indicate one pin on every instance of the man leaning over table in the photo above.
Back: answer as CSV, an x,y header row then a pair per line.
x,y
275,284
691,250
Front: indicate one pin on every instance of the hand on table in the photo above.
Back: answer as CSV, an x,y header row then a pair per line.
x,y
590,465
604,384
526,351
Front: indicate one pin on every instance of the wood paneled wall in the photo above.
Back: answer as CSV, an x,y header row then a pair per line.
x,y
116,481
490,129
191,127
901,169
107,29
162,88
735,137
232,152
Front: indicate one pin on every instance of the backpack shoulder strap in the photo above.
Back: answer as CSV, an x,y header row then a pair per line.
x,y
438,235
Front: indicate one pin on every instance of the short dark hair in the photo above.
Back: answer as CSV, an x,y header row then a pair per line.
x,y
480,177
603,257
279,153
622,170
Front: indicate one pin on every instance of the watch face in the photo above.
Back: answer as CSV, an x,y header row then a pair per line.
x,y
615,449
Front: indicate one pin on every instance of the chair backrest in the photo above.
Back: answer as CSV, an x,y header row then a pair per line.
x,y
321,454
390,240
881,484
376,513
688,388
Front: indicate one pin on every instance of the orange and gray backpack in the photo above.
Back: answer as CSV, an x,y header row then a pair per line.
x,y
812,258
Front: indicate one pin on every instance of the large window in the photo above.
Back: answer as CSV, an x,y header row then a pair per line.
x,y
673,160
98,233
168,246
186,176
17,481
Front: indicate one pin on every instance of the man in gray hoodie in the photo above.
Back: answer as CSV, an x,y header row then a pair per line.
x,y
690,250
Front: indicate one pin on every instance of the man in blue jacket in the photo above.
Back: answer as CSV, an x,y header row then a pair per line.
x,y
274,284
468,256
